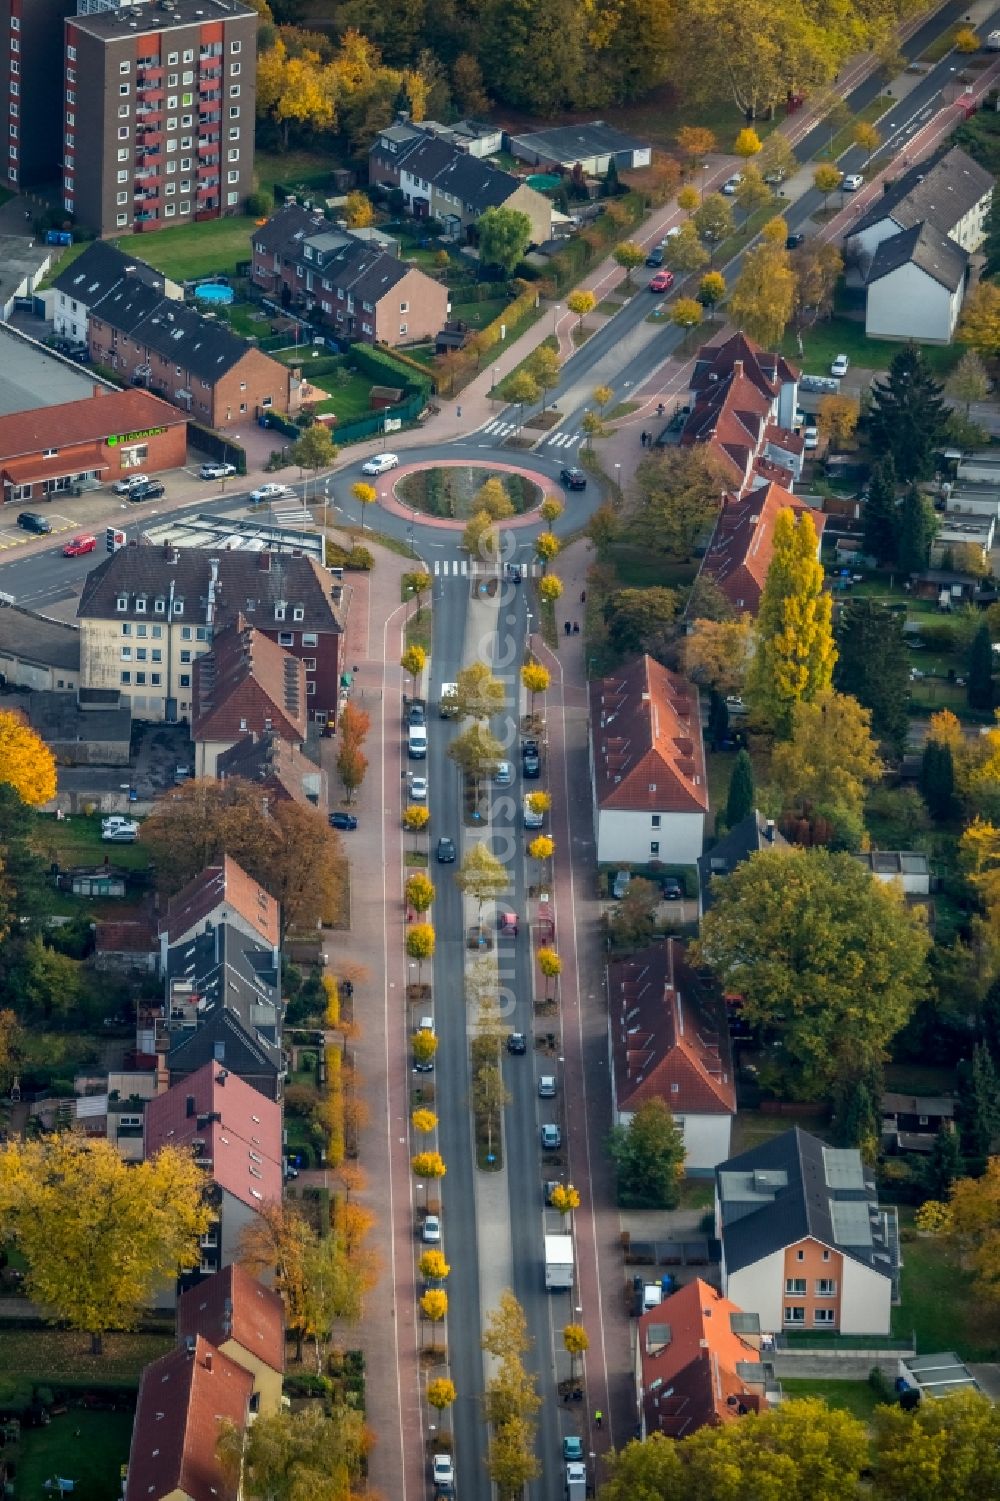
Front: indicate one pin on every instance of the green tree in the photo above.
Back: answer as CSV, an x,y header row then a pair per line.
x,y
315,450
365,495
825,767
969,381
747,143
795,653
492,498
676,498
420,941
763,294
478,694
287,1455
937,780
628,255
979,1105
753,192
482,876
740,801
684,252
917,526
881,513
826,180
711,290
413,661
945,1450
649,1156
476,751
714,219
581,303
522,389
944,1165
872,667
543,366
979,683
640,619
632,923
800,934
504,236
908,418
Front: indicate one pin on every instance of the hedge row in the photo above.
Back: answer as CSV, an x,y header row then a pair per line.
x,y
384,367
334,1112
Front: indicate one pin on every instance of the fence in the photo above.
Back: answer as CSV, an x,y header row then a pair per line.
x,y
367,427
855,1346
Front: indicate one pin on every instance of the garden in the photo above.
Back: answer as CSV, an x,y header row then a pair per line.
x,y
87,1448
455,491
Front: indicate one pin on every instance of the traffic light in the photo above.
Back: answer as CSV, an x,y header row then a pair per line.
x,y
115,538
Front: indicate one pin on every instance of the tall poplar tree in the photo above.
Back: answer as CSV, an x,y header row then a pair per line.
x,y
795,653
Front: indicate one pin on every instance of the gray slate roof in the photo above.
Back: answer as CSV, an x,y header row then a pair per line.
x,y
942,192
925,247
39,640
249,1056
754,833
477,184
360,267
201,346
229,971
243,586
795,1186
102,266
570,143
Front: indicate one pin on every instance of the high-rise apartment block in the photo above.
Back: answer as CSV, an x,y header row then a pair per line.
x,y
158,104
31,69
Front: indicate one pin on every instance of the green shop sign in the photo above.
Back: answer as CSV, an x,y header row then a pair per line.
x,y
147,432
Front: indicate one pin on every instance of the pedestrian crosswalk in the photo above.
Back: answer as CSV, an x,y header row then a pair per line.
x,y
292,515
558,439
466,568
498,429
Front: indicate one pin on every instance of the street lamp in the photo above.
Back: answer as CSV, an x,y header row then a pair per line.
x,y
618,481
557,309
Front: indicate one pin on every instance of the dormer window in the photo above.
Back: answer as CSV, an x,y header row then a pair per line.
x,y
279,612
159,606
298,613
122,602
140,606
178,607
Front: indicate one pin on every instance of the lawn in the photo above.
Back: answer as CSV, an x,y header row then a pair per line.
x,y
56,1355
295,170
478,314
77,841
751,1128
66,258
191,251
718,768
840,335
248,319
855,1397
88,1448
938,1303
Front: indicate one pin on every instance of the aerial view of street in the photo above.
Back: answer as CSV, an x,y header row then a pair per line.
x,y
499,751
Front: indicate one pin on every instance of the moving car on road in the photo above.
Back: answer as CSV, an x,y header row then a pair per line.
x,y
547,1087
731,186
655,256
573,479
445,851
517,1043
270,491
662,281
380,463
77,546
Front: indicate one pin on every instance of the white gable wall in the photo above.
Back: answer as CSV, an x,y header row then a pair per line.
x,y
626,838
865,1299
909,304
759,1289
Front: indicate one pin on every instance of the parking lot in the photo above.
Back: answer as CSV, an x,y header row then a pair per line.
x,y
11,535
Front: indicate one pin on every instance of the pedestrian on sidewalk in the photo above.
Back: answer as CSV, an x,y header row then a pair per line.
x,y
459,411
568,627
583,596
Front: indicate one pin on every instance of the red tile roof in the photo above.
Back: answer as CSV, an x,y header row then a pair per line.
x,y
248,684
715,362
646,734
688,1356
224,885
232,1305
669,1036
731,418
94,418
184,1397
135,937
742,544
283,769
240,1129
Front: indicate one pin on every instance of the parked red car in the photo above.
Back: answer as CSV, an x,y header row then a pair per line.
x,y
662,281
77,546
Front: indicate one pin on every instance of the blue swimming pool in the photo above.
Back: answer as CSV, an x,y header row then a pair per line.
x,y
211,291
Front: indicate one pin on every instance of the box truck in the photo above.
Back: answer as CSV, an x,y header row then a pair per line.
x,y
558,1262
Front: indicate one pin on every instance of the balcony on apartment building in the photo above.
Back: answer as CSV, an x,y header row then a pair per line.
x,y
147,113
209,142
148,73
209,117
209,75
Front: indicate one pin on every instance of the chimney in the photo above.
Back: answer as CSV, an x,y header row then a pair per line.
x,y
170,553
208,1360
190,1105
264,561
737,368
769,831
96,391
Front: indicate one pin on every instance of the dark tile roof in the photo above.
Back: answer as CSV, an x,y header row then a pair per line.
x,y
223,1038
221,886
240,1130
715,362
793,1187
227,970
232,1305
942,191
754,833
287,227
925,247
357,266
184,1398
202,346
38,639
248,683
268,761
571,143
251,584
477,184
100,268
669,1036
646,734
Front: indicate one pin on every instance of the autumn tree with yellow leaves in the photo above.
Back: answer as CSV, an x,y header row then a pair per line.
x,y
99,1234
794,651
25,761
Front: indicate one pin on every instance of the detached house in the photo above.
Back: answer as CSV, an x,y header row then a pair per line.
x,y
359,290
669,1040
743,404
245,685
647,766
914,244
804,1242
282,771
697,1364
244,1320
439,179
742,545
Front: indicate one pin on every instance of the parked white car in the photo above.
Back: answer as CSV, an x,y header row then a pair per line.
x,y
840,366
216,471
852,182
380,463
126,832
270,491
418,789
731,188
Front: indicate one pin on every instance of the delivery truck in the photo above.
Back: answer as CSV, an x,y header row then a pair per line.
x,y
558,1262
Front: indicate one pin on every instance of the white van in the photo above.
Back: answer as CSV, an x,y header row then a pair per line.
x,y
416,742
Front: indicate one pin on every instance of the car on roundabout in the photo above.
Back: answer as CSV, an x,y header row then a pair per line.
x,y
380,463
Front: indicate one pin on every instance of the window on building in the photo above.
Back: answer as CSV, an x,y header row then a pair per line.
x,y
286,638
172,145
123,154
310,638
188,54
309,663
122,602
178,607
234,91
123,177
124,89
234,112
187,77
795,1314
232,198
125,67
126,678
826,1287
800,1255
121,198
123,132
123,111
120,219
171,59
186,143
235,47
654,847
169,209
795,1287
172,80
157,654
235,70
824,1316
310,689
826,1256
71,54
126,654
185,680
403,328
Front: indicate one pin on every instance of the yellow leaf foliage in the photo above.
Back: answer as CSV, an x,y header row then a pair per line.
x,y
25,761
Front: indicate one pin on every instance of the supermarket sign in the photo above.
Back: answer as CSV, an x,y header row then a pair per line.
x,y
116,439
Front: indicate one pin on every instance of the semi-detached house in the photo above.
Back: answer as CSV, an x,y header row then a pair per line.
x,y
359,289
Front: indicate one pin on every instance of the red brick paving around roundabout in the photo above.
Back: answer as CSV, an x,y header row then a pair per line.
x,y
389,501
